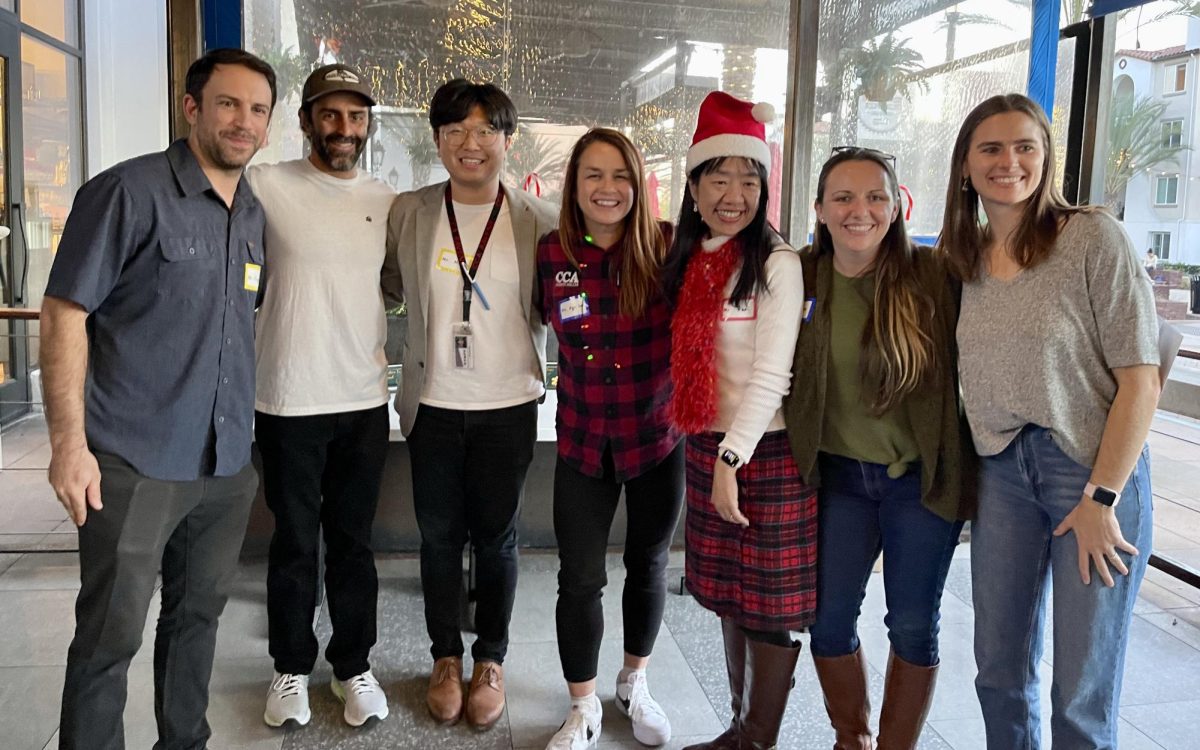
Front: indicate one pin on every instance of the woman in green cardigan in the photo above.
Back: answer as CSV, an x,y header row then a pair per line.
x,y
873,418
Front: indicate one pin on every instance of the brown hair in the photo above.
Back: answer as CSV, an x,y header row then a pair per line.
x,y
898,341
643,247
964,236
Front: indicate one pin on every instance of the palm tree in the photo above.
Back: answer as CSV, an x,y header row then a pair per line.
x,y
1135,143
884,66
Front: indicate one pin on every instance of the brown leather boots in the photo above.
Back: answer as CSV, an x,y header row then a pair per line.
x,y
907,694
760,679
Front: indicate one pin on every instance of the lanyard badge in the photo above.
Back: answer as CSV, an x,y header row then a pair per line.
x,y
470,286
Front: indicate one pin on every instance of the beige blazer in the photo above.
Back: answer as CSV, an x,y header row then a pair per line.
x,y
412,226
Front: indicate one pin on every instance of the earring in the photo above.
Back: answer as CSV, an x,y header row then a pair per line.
x,y
695,209
966,183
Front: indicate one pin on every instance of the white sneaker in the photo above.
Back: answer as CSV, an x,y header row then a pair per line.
x,y
287,700
650,723
577,732
363,697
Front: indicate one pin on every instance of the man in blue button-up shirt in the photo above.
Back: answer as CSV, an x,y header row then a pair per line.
x,y
148,365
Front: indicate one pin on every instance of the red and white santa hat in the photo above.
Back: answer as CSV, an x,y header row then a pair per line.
x,y
728,126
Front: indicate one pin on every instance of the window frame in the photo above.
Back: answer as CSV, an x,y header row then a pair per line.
x,y
1161,249
1172,86
1168,137
1166,178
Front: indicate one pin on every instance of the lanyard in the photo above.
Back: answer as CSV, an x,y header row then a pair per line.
x,y
469,275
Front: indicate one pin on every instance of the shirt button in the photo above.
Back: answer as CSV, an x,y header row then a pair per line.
x,y
224,380
221,420
191,251
233,262
228,341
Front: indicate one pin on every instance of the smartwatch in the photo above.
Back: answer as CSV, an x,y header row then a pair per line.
x,y
1102,495
730,458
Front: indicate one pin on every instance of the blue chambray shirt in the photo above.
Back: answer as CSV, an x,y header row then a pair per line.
x,y
160,264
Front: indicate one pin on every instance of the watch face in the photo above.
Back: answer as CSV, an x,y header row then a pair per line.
x,y
730,458
1104,496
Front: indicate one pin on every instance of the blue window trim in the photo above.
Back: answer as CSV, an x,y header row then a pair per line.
x,y
222,23
1043,54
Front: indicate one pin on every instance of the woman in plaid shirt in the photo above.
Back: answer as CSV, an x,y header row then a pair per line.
x,y
751,520
599,284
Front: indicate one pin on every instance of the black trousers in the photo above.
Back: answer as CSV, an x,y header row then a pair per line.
x,y
583,514
194,531
321,475
468,470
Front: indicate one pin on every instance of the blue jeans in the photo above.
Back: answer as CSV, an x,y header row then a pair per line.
x,y
1025,492
862,512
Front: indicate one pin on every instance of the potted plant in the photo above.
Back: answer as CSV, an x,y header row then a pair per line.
x,y
884,67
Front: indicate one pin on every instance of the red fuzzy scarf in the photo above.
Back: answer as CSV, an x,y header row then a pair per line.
x,y
694,337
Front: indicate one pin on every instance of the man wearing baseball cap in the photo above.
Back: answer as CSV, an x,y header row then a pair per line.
x,y
321,418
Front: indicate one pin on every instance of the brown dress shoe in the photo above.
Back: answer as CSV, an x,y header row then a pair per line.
x,y
485,704
445,696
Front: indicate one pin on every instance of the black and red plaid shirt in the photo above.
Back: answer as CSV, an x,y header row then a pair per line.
x,y
614,376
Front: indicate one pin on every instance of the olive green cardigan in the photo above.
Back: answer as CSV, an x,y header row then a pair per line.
x,y
949,473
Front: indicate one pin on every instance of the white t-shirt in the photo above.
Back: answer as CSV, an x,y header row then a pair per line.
x,y
755,344
502,347
320,331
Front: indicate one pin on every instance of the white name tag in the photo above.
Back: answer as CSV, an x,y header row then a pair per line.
x,y
573,308
745,310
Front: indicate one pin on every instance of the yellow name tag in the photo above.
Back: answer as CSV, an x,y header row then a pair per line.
x,y
252,277
448,261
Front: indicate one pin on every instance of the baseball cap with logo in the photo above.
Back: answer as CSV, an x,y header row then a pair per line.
x,y
330,79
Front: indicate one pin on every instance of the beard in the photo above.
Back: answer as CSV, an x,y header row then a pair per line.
x,y
225,155
338,162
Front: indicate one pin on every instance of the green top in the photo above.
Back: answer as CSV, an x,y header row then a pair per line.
x,y
932,410
849,429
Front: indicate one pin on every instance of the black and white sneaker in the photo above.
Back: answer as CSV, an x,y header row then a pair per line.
x,y
578,732
650,723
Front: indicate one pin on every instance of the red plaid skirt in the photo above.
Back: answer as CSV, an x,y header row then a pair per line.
x,y
764,576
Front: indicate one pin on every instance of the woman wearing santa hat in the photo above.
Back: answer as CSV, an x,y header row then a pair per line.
x,y
751,521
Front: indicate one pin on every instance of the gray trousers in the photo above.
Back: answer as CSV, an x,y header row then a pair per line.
x,y
194,530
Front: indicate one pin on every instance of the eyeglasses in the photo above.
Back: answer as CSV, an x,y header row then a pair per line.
x,y
889,158
458,136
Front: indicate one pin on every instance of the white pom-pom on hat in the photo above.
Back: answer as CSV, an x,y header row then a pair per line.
x,y
764,112
728,126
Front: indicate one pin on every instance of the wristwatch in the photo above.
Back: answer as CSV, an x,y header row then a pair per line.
x,y
1102,495
730,458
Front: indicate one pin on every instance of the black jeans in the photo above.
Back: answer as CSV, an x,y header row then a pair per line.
x,y
583,514
321,475
468,470
194,530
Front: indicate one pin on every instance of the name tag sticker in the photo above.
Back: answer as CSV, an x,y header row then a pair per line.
x,y
252,277
573,308
809,304
745,310
448,262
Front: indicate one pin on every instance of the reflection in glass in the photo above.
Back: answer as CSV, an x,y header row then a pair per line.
x,y
900,76
58,18
7,354
643,67
52,122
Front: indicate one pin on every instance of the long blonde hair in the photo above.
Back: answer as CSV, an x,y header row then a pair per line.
x,y
899,345
964,235
643,247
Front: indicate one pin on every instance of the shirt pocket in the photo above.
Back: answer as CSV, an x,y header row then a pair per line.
x,y
504,266
190,268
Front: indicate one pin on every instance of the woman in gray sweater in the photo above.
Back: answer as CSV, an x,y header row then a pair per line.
x,y
1059,370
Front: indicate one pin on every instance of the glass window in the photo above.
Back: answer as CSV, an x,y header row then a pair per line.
x,y
58,18
53,144
1160,243
6,4
1176,78
902,79
1166,190
1172,133
566,65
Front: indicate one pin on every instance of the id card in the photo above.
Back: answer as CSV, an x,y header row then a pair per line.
x,y
807,313
448,261
573,308
747,309
252,277
464,346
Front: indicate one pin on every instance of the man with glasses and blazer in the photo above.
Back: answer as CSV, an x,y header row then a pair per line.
x,y
461,254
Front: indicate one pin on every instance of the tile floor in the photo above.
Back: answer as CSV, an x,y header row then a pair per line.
x,y
1160,702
